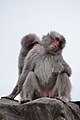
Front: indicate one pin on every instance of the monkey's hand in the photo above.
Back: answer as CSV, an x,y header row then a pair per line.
x,y
63,99
8,97
58,68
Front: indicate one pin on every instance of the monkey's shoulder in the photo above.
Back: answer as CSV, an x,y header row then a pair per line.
x,y
34,52
38,52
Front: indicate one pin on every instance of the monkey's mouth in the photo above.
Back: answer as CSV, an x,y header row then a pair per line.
x,y
55,46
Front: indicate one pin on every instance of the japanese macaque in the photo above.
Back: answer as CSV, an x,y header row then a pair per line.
x,y
45,73
27,43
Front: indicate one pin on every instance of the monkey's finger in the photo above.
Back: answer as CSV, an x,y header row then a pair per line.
x,y
9,98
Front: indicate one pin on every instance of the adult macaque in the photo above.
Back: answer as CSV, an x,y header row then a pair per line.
x,y
45,73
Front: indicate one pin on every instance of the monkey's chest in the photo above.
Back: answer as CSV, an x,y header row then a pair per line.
x,y
44,70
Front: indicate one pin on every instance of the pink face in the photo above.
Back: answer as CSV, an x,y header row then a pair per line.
x,y
55,43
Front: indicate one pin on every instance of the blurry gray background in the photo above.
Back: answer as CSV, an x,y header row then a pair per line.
x,y
20,17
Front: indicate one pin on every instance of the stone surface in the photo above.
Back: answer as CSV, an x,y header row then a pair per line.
x,y
39,109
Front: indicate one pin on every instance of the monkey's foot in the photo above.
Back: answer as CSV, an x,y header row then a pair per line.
x,y
24,100
63,98
6,97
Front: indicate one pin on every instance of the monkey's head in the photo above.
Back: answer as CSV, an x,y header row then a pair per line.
x,y
29,41
53,42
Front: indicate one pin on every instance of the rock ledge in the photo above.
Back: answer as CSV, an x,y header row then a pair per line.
x,y
39,109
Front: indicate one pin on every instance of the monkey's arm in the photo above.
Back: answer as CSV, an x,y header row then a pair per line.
x,y
21,60
67,68
17,89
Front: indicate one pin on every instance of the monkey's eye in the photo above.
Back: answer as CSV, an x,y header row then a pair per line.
x,y
57,38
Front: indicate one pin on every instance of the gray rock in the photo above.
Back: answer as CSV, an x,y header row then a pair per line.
x,y
40,109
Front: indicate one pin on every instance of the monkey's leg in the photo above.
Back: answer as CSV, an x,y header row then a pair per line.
x,y
62,88
21,94
29,87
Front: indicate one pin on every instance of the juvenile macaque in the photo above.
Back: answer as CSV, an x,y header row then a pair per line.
x,y
27,43
45,73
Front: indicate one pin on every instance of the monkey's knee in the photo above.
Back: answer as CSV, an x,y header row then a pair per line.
x,y
31,79
31,75
29,82
66,81
29,87
64,86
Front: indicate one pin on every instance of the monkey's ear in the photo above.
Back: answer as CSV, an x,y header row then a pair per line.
x,y
62,42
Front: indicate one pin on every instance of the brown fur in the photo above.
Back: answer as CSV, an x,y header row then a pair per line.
x,y
27,43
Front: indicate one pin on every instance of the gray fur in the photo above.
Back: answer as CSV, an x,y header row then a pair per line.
x,y
45,73
27,43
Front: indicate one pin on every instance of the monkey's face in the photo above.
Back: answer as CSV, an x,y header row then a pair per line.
x,y
53,42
